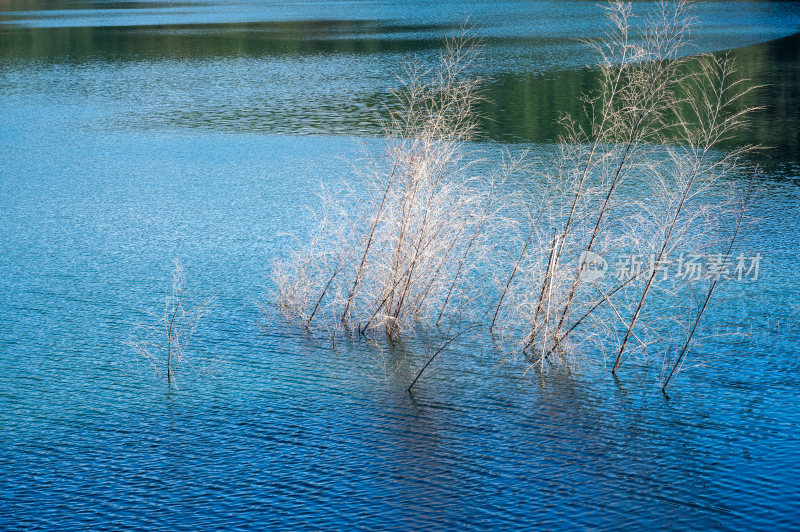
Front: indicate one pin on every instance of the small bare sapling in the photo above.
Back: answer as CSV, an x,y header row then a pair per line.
x,y
163,342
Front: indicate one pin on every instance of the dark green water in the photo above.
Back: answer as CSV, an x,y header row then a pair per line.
x,y
132,133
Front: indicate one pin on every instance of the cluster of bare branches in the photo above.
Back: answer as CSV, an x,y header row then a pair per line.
x,y
401,248
642,171
163,342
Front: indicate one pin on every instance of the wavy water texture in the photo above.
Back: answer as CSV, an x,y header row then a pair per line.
x,y
126,142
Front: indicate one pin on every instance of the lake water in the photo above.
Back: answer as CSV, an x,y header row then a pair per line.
x,y
132,133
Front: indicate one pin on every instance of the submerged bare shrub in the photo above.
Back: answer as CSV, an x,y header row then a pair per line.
x,y
163,342
641,173
398,246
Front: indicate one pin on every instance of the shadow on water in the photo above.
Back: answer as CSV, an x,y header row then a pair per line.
x,y
521,105
526,108
192,41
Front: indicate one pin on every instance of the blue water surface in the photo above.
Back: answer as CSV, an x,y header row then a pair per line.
x,y
102,185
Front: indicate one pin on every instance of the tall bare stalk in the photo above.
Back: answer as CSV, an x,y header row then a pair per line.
x,y
713,117
712,287
647,92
